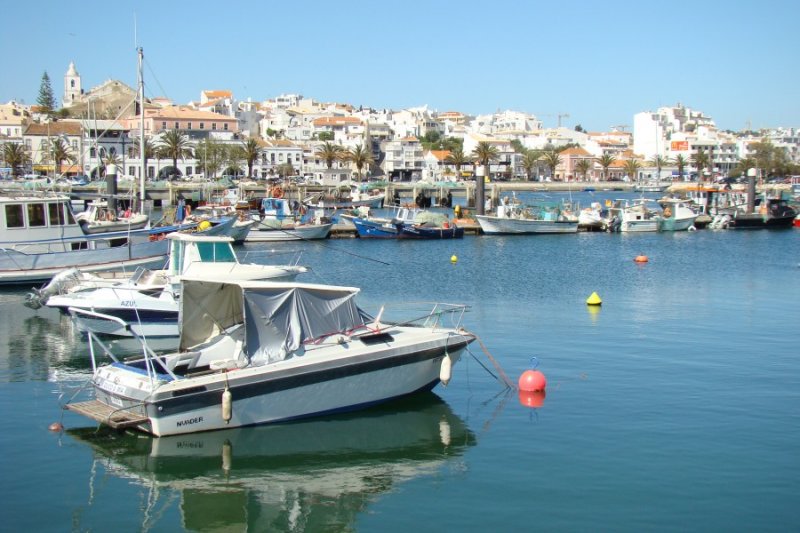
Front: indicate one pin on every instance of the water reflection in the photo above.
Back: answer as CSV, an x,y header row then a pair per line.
x,y
315,475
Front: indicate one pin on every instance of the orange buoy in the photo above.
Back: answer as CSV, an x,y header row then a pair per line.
x,y
640,259
532,380
56,427
532,399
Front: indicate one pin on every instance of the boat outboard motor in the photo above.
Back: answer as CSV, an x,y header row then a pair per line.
x,y
39,297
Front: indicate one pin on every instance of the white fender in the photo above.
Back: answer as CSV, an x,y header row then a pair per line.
x,y
446,370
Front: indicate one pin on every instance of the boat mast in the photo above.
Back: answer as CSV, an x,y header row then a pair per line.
x,y
143,169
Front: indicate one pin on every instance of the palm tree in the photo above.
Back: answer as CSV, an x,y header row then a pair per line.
x,y
150,151
530,162
59,151
700,161
632,167
250,150
330,153
582,167
174,145
16,156
552,159
484,153
457,157
680,162
360,157
606,160
659,162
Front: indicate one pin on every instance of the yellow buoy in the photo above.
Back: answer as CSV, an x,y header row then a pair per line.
x,y
594,299
204,225
454,258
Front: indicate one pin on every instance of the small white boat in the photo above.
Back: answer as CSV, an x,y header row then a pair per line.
x,y
277,220
148,300
345,198
98,218
633,216
592,218
676,215
259,352
516,218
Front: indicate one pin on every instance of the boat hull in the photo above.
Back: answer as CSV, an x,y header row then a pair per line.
x,y
278,393
491,225
296,233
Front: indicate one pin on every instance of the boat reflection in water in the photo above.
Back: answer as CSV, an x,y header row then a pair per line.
x,y
304,476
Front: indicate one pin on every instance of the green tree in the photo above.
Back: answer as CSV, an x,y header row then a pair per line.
x,y
484,154
659,162
323,136
606,160
250,151
175,145
518,147
700,160
151,151
212,155
583,167
58,151
457,158
16,156
551,159
360,157
431,140
452,143
632,168
285,170
771,160
530,162
681,163
330,153
46,100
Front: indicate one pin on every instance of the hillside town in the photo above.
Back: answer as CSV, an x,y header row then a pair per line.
x,y
295,136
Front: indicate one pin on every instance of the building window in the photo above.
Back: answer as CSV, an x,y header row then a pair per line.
x,y
213,125
164,125
202,126
177,126
92,152
225,126
189,126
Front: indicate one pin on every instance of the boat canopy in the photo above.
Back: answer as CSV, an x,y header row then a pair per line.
x,y
278,317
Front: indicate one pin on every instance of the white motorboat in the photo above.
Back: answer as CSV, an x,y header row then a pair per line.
x,y
39,237
148,301
592,218
515,218
99,218
633,216
676,215
259,352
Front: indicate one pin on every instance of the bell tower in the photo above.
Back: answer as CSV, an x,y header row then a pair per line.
x,y
72,86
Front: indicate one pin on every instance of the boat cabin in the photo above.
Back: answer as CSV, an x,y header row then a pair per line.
x,y
27,218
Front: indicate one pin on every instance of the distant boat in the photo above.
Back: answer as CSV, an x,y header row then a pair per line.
x,y
517,219
277,220
406,224
99,218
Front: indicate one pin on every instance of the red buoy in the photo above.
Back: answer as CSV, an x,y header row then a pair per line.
x,y
56,427
641,259
532,399
532,380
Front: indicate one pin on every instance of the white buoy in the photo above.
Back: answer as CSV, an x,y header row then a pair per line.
x,y
227,405
446,370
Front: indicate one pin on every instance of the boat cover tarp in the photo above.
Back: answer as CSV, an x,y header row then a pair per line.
x,y
278,317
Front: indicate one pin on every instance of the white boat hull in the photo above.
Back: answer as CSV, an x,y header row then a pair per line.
x,y
296,233
492,225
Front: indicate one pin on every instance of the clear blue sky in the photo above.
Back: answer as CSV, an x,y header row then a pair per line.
x,y
599,61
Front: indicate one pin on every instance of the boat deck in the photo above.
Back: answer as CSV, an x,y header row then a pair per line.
x,y
106,414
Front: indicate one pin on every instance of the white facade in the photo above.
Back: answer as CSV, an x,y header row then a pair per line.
x,y
72,86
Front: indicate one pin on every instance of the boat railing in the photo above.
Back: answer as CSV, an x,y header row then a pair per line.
x,y
433,315
150,358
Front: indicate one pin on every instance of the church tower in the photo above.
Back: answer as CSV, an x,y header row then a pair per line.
x,y
72,86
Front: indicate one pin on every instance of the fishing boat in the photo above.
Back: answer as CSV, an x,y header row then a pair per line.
x,y
634,216
676,215
513,217
148,300
40,237
345,197
279,220
406,223
281,477
258,352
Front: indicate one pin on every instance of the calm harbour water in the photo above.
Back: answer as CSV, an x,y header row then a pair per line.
x,y
673,407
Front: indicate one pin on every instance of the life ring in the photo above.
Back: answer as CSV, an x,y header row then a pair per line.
x,y
667,212
277,192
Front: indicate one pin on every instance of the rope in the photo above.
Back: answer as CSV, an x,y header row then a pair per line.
x,y
503,377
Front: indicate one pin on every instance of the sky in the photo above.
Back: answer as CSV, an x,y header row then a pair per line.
x,y
600,62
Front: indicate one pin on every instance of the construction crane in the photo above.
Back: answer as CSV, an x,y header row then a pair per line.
x,y
620,127
560,116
